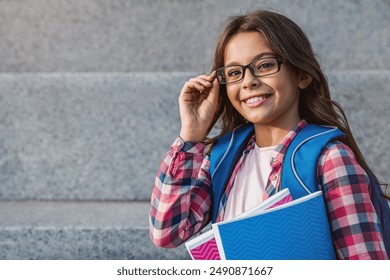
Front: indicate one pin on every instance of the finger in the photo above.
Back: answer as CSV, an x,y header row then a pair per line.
x,y
213,94
199,87
210,77
201,81
194,85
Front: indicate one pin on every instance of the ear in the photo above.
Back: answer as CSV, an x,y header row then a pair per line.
x,y
304,80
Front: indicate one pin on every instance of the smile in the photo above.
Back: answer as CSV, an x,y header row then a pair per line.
x,y
257,100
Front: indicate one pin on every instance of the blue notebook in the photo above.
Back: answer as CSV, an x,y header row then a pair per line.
x,y
297,230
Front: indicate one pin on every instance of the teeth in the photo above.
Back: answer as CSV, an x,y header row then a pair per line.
x,y
256,99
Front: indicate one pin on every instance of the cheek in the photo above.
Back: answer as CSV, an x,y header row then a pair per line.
x,y
233,100
232,93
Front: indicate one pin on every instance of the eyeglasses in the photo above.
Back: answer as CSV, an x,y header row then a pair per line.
x,y
259,68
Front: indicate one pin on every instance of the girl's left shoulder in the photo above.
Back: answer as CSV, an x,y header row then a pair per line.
x,y
338,155
336,149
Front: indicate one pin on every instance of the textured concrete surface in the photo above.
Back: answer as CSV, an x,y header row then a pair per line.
x,y
176,35
85,136
82,244
103,135
78,230
81,139
365,97
74,214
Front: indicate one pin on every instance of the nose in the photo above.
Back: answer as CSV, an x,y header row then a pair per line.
x,y
249,81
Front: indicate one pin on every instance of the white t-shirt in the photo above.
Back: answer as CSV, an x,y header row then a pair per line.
x,y
250,183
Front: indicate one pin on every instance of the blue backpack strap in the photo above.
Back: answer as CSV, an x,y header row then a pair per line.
x,y
300,163
300,168
223,157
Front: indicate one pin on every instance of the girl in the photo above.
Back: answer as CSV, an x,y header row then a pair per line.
x,y
264,73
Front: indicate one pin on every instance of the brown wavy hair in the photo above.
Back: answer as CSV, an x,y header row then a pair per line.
x,y
290,43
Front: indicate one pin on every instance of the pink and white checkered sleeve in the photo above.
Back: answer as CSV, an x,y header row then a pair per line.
x,y
353,220
181,198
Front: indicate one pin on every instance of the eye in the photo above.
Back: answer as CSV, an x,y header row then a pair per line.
x,y
265,65
234,73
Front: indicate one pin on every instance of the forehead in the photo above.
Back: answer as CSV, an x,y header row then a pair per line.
x,y
243,47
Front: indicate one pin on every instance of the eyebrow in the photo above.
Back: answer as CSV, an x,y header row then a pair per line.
x,y
233,63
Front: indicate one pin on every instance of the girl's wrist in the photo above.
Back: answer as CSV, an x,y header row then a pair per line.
x,y
191,137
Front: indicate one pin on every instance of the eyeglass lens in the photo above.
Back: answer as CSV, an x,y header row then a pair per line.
x,y
259,68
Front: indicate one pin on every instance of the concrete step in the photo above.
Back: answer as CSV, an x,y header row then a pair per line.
x,y
101,136
85,136
78,230
148,35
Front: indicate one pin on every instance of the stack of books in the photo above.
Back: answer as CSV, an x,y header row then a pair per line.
x,y
279,228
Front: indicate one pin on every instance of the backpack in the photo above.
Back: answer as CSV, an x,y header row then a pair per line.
x,y
298,170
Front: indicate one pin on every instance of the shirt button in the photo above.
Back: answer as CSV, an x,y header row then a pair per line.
x,y
274,159
274,177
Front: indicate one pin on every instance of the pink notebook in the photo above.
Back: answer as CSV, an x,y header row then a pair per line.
x,y
204,246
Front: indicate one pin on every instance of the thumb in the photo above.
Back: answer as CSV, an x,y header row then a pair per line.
x,y
214,93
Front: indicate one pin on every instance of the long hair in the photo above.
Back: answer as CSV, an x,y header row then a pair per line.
x,y
290,43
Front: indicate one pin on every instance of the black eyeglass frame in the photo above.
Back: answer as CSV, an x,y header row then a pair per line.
x,y
220,72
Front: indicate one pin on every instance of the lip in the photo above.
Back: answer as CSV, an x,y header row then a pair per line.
x,y
256,100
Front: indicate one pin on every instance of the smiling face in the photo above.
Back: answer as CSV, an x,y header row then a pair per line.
x,y
264,101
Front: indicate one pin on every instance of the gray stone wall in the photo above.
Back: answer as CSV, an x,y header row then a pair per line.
x,y
176,35
94,136
88,107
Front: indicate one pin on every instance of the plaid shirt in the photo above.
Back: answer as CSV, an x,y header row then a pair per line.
x,y
181,199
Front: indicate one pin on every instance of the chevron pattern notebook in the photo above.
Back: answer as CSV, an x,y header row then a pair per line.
x,y
298,230
204,246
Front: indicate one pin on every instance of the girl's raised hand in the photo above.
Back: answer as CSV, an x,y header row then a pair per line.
x,y
198,102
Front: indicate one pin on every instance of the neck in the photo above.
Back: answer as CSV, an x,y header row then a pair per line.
x,y
267,135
